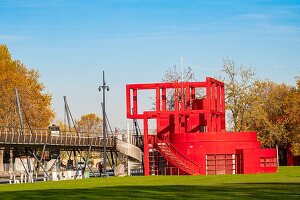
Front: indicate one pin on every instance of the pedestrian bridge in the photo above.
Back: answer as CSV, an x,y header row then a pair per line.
x,y
44,139
65,140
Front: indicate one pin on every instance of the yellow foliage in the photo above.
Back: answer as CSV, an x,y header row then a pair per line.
x,y
35,102
90,123
274,113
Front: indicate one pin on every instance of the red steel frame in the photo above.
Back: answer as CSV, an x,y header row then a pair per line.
x,y
194,130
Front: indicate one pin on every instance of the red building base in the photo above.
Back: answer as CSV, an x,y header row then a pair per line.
x,y
292,160
191,137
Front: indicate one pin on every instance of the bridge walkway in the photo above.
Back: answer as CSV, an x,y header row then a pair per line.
x,y
65,140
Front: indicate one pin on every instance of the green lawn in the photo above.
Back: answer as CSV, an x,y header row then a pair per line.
x,y
283,185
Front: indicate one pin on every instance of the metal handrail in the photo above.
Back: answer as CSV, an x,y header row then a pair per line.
x,y
129,150
12,135
184,158
179,155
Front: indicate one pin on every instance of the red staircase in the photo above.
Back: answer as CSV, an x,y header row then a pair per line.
x,y
177,159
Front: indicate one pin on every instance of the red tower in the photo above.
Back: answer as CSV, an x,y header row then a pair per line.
x,y
190,137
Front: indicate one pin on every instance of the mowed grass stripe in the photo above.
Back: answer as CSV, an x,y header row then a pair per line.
x,y
283,185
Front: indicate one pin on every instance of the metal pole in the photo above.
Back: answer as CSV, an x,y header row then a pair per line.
x,y
44,148
86,162
41,165
103,88
19,110
23,165
67,114
87,157
104,128
277,155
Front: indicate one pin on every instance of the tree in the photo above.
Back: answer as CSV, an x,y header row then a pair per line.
x,y
269,108
275,114
35,102
238,85
90,123
293,111
268,114
171,76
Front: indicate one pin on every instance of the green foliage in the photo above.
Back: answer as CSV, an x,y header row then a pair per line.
x,y
282,185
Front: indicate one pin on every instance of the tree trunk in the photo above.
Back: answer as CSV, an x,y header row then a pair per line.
x,y
1,161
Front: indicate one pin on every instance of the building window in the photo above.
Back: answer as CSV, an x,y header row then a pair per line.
x,y
220,164
268,162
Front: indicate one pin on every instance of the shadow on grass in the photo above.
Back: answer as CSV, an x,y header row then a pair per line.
x,y
226,191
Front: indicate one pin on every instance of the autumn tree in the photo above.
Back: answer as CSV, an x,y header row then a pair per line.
x,y
271,109
90,123
293,111
275,114
35,102
268,113
239,81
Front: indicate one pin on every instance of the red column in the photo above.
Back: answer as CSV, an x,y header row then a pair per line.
x,y
208,105
193,96
213,96
146,147
176,99
208,93
157,99
128,101
222,108
188,98
218,98
135,107
219,118
182,98
222,99
177,122
164,99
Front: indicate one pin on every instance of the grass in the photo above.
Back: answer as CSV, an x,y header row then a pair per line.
x,y
283,185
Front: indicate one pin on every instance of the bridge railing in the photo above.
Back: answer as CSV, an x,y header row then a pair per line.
x,y
16,136
129,150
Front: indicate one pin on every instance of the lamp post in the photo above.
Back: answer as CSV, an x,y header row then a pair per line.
x,y
104,87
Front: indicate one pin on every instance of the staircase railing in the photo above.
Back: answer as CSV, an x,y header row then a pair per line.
x,y
182,157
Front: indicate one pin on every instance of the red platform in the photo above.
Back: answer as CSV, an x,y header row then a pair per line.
x,y
191,136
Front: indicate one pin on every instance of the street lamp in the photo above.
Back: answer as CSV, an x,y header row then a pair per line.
x,y
104,87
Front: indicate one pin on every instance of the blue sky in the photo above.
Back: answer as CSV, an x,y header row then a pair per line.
x,y
71,42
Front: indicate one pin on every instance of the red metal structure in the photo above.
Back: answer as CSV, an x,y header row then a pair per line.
x,y
190,137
